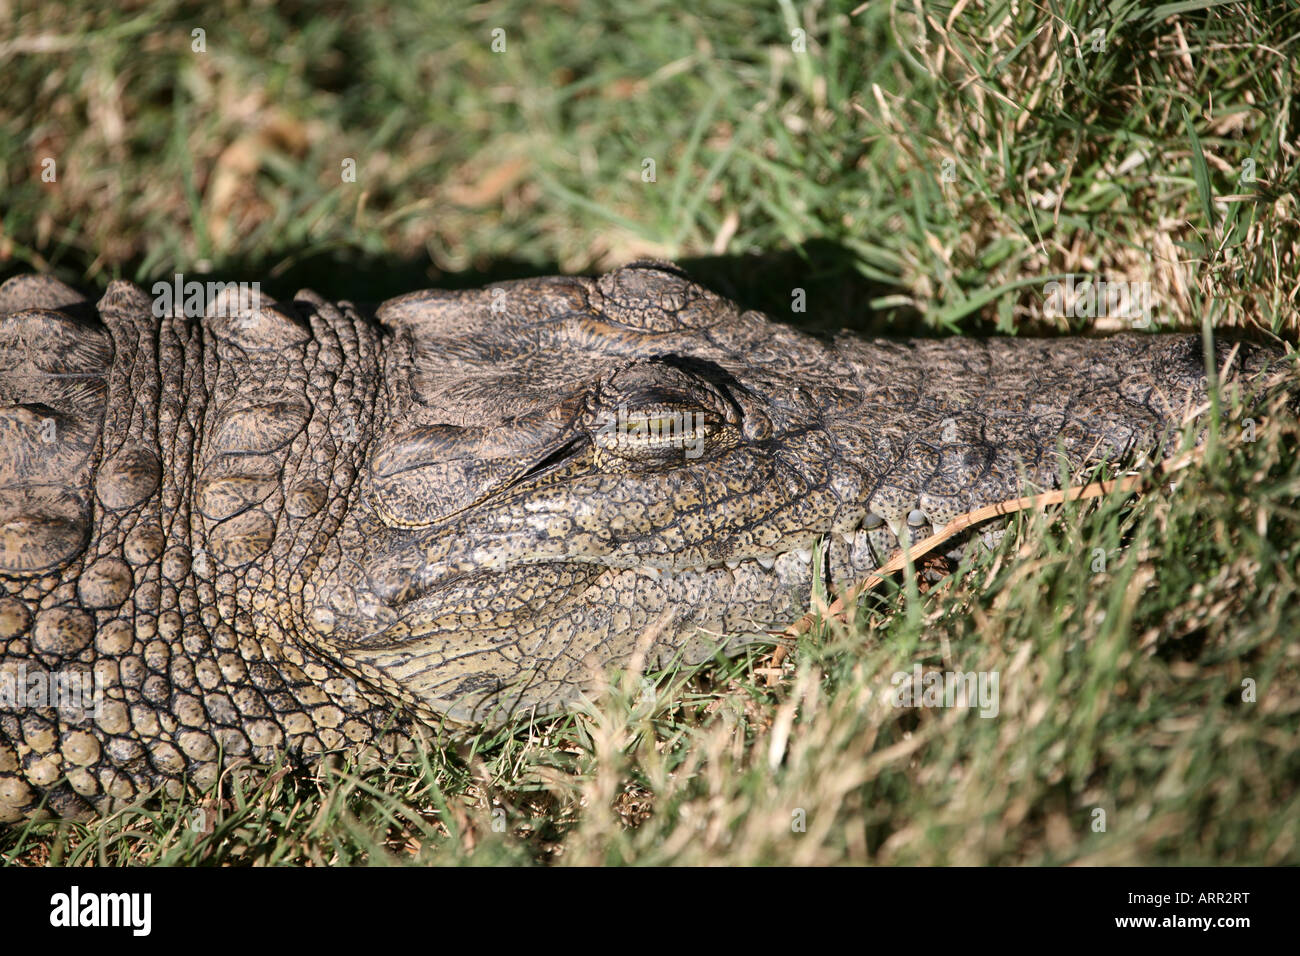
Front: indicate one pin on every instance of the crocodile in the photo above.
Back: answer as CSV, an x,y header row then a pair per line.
x,y
263,530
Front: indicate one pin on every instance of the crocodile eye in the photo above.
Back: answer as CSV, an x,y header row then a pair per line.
x,y
657,432
661,412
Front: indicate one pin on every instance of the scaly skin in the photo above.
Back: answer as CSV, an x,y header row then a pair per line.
x,y
266,532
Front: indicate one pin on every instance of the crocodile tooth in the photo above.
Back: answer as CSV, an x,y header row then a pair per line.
x,y
872,521
767,563
732,565
804,554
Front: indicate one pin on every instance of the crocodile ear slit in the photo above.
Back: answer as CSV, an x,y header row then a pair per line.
x,y
427,474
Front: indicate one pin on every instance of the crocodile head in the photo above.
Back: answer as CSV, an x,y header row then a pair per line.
x,y
575,473
568,474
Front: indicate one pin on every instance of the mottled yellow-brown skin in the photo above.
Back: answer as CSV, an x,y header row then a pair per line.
x,y
269,531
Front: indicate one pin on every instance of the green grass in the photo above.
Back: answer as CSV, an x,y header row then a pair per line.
x,y
1119,154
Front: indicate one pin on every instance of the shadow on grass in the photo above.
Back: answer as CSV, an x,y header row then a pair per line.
x,y
835,295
